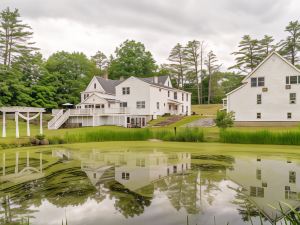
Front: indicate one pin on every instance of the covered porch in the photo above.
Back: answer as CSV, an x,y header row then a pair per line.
x,y
136,121
174,107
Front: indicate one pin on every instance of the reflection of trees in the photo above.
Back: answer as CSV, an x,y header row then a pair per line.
x,y
182,191
213,171
128,203
62,188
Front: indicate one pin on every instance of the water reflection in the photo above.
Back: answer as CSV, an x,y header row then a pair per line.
x,y
144,187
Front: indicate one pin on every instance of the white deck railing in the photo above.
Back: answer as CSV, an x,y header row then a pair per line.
x,y
75,112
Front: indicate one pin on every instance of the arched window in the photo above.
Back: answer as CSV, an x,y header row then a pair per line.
x,y
95,85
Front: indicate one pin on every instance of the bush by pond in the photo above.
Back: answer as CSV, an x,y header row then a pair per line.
x,y
182,135
260,137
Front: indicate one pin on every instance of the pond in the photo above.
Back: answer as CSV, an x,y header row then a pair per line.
x,y
91,185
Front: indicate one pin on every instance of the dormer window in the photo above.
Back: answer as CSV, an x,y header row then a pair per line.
x,y
95,85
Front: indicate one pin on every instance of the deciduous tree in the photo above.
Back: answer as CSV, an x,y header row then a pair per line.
x,y
132,59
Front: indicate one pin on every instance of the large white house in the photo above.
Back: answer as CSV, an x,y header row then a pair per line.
x,y
129,103
268,94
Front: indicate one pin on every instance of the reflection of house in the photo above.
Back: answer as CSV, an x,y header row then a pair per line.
x,y
142,169
267,183
132,169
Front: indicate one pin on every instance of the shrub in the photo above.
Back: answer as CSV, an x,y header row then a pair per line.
x,y
224,119
40,137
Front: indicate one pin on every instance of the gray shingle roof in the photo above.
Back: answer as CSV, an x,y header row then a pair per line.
x,y
109,86
161,80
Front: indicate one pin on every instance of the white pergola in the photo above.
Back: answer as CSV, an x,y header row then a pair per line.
x,y
19,111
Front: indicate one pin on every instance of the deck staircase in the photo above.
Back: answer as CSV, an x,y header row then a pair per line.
x,y
59,119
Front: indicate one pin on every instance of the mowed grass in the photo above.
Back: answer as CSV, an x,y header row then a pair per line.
x,y
211,134
206,110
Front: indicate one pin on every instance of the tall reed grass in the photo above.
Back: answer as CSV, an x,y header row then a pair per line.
x,y
182,135
260,137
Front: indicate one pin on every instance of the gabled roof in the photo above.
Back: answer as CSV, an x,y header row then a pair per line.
x,y
161,79
244,81
108,85
266,59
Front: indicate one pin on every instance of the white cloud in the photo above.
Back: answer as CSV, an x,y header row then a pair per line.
x,y
88,26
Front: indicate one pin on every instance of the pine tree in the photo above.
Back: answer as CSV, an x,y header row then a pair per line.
x,y
247,57
212,67
15,37
265,47
177,65
194,59
290,47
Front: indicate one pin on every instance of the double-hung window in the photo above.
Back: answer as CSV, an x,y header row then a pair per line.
x,y
140,104
126,90
175,95
157,105
257,82
123,104
258,99
292,98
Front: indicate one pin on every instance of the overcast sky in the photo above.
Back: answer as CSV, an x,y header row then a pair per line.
x,y
91,25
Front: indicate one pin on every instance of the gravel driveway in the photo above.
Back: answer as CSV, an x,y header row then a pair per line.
x,y
206,122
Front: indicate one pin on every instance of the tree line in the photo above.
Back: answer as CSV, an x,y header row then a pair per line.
x,y
28,79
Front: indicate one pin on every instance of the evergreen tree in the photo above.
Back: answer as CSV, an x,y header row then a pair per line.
x,y
247,57
177,66
132,59
15,37
266,46
212,67
194,59
290,47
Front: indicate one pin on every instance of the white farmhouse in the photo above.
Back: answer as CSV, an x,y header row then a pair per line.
x,y
269,94
129,103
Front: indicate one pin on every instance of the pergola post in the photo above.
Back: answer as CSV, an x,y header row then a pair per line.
x,y
17,163
17,124
4,125
28,126
41,123
3,171
27,159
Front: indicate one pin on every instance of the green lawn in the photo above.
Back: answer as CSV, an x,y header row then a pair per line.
x,y
206,110
211,134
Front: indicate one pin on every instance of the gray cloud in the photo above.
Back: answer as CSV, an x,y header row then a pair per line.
x,y
160,24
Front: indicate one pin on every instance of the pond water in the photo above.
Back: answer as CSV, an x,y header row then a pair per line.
x,y
145,186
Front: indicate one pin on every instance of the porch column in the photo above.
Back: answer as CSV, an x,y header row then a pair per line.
x,y
28,126
4,125
17,124
41,123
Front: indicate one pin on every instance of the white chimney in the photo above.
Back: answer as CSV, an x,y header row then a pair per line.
x,y
155,79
